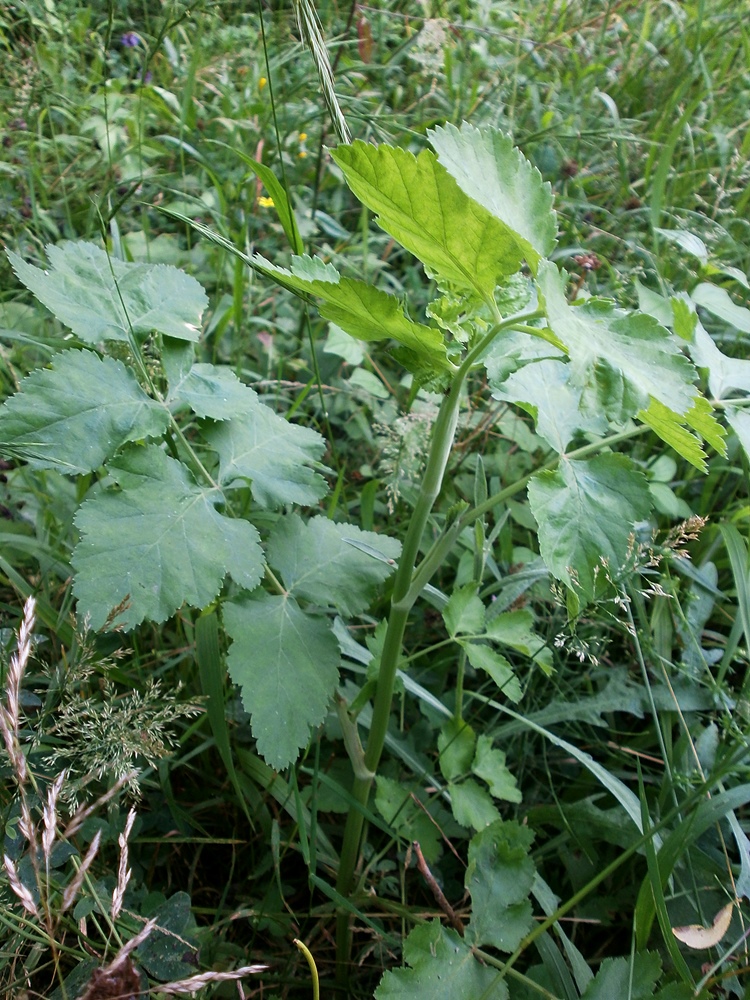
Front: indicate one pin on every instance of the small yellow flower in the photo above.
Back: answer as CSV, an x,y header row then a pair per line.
x,y
265,202
302,136
302,154
262,82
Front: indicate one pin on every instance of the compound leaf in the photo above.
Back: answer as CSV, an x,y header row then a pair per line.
x,y
418,202
286,663
272,454
158,542
328,563
101,298
586,512
442,968
499,877
619,360
497,175
77,413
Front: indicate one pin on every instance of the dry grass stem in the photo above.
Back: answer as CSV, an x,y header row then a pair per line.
x,y
195,983
71,890
50,816
123,872
10,715
19,888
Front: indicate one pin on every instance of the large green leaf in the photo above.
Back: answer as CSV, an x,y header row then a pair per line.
x,y
586,512
158,542
286,663
363,311
619,359
499,877
545,390
329,563
101,298
418,202
497,175
75,414
272,454
442,968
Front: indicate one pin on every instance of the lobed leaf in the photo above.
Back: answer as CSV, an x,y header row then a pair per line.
x,y
271,454
212,391
328,563
418,202
442,968
489,765
77,413
286,664
158,542
545,390
586,512
494,173
101,298
619,360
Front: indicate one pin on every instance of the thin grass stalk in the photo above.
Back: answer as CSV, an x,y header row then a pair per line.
x,y
311,33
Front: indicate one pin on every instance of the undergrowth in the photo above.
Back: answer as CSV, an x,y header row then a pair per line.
x,y
552,828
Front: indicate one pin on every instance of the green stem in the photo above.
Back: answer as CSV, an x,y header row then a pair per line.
x,y
402,600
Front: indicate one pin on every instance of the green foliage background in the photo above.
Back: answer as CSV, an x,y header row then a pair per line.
x,y
628,712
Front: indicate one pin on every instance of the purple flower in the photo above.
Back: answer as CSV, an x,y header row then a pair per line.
x,y
130,40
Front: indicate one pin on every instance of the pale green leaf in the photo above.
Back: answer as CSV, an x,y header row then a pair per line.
x,y
418,202
489,765
586,512
158,541
339,342
497,175
670,427
442,968
724,373
472,805
361,310
101,298
77,413
687,241
718,301
482,657
464,612
286,664
544,389
212,391
499,877
272,454
634,978
739,420
619,360
325,563
456,747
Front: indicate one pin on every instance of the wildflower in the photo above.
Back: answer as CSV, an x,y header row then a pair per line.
x,y
262,82
302,154
265,202
303,136
130,40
